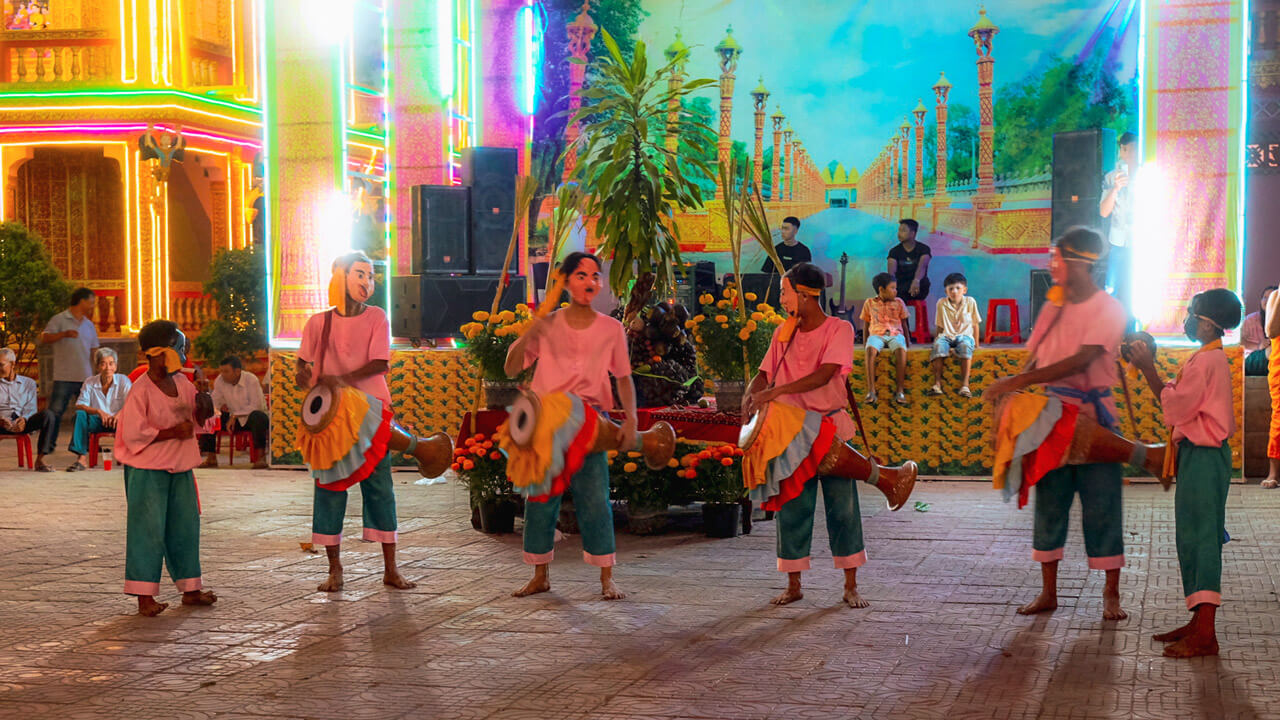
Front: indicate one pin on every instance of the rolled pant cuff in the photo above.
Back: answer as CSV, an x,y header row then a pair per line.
x,y
382,536
1111,562
1203,597
1046,555
846,562
138,587
325,540
539,558
600,560
798,565
189,584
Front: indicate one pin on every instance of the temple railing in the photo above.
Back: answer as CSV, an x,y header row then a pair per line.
x,y
46,57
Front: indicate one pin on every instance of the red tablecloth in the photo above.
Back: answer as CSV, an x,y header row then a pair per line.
x,y
698,424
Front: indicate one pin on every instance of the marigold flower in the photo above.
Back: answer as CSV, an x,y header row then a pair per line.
x,y
630,467
479,316
722,304
633,454
722,318
744,334
495,455
506,316
673,463
757,316
699,318
751,297
726,461
455,467
468,465
522,308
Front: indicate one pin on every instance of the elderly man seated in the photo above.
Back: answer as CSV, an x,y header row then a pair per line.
x,y
101,399
238,396
18,415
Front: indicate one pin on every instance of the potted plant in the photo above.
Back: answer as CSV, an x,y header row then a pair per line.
x,y
237,282
644,491
731,344
483,469
487,339
716,472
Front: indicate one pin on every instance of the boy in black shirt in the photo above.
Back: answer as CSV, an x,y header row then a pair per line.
x,y
790,251
909,262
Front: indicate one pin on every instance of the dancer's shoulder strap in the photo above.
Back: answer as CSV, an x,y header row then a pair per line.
x,y
324,342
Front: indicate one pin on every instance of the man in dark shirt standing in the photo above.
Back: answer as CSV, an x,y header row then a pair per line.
x,y
909,262
790,251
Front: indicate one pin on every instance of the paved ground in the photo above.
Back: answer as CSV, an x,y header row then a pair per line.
x,y
696,638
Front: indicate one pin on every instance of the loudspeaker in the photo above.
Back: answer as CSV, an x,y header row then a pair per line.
x,y
1041,281
704,276
491,173
1081,160
441,229
425,306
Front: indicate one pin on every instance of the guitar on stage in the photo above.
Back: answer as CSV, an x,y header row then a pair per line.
x,y
842,310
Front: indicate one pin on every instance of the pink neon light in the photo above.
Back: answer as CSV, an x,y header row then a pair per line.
x,y
114,129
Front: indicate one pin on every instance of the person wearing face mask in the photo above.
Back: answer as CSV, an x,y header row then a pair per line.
x,y
156,445
576,350
1197,406
350,345
1073,352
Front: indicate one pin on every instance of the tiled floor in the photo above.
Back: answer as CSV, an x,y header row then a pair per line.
x,y
696,638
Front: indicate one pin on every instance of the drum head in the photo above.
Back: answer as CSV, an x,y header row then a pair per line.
x,y
523,419
318,408
747,435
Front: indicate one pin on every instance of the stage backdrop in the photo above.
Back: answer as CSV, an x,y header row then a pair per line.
x,y
856,114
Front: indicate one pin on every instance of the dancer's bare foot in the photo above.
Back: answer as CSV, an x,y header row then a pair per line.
x,y
853,599
1192,646
1271,483
1174,635
1111,607
148,607
533,587
1044,602
199,597
610,591
396,580
333,583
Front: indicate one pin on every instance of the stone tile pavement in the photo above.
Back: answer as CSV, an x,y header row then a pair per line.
x,y
696,637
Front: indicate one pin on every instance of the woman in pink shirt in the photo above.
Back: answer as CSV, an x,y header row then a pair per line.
x,y
1197,405
576,350
809,370
156,444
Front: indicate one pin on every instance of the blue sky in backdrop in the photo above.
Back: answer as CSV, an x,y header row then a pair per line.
x,y
847,73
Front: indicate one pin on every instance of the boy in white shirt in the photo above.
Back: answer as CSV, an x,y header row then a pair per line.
x,y
956,332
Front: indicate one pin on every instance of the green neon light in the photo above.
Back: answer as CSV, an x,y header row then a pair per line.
x,y
132,93
381,137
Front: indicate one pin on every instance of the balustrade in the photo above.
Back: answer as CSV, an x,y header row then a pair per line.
x,y
67,56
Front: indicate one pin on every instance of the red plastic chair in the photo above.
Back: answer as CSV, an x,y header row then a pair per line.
x,y
25,458
920,332
1014,333
239,440
95,446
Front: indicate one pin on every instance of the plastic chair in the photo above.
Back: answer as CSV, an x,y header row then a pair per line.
x,y
1014,333
238,440
95,446
921,332
25,458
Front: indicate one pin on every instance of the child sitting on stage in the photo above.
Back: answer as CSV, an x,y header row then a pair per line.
x,y
576,350
1197,405
808,369
156,444
956,333
882,316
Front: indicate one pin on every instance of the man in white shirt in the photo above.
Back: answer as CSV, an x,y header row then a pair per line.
x,y
101,400
238,396
74,340
18,414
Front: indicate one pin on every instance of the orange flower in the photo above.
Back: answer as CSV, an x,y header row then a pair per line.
x,y
468,465
629,467
488,444
737,452
479,437
470,441
726,461
495,455
704,455
478,451
455,467
726,448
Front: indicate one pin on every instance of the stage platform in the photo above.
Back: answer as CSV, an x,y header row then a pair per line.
x,y
950,435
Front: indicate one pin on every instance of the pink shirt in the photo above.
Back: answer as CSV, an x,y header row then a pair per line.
x,y
147,411
831,343
1060,333
1252,335
884,317
1198,404
353,343
579,361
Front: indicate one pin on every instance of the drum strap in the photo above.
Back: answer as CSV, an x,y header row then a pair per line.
x,y
857,418
324,342
1128,405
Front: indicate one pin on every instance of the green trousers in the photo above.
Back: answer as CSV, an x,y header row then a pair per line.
x,y
163,529
1200,508
378,509
844,525
590,488
1101,507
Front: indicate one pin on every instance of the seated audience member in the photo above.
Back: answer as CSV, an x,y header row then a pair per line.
x,y
1257,347
237,395
18,414
956,333
101,399
883,316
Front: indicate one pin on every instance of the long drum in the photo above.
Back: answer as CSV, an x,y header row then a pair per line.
x,y
336,418
895,483
657,444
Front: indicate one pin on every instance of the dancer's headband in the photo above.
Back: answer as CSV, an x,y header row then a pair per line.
x,y
806,290
1070,253
172,361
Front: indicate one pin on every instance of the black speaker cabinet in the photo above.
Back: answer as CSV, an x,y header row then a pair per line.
x,y
491,173
1081,160
441,229
1041,281
426,306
